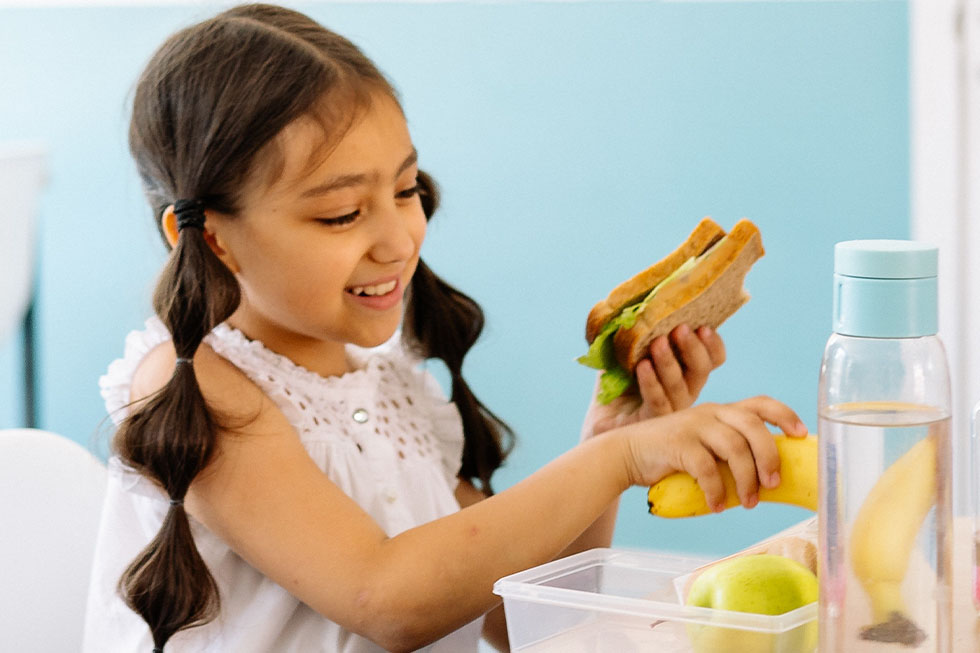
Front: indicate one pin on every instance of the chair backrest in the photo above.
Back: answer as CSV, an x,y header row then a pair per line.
x,y
22,172
51,492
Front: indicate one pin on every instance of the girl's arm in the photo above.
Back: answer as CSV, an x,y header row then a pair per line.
x,y
670,379
494,623
265,497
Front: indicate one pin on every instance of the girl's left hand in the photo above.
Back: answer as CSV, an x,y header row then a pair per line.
x,y
670,379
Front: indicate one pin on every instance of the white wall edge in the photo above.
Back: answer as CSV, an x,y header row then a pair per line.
x,y
944,66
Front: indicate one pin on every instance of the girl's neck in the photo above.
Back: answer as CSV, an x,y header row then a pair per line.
x,y
323,357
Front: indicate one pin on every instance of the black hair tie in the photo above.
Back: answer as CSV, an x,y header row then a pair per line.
x,y
190,213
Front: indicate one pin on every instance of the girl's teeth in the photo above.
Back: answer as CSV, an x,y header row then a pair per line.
x,y
382,289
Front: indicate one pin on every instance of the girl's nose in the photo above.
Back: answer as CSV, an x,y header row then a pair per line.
x,y
395,237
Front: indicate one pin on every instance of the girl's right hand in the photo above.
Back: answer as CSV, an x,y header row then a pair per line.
x,y
695,439
668,380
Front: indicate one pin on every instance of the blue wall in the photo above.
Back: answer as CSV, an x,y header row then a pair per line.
x,y
575,143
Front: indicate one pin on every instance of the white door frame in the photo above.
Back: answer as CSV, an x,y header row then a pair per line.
x,y
944,64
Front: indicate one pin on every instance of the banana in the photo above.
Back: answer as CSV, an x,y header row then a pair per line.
x,y
883,537
679,495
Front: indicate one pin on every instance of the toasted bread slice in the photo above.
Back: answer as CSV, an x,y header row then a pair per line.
x,y
706,234
706,295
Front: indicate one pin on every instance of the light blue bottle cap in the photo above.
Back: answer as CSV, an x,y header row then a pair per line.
x,y
886,288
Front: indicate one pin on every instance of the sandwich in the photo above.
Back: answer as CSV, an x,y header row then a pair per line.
x,y
698,284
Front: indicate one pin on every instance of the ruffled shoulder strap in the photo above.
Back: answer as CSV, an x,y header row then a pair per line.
x,y
115,384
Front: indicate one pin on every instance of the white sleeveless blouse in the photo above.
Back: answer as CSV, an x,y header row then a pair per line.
x,y
384,433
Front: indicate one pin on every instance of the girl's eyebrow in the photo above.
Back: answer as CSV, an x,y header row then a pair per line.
x,y
346,181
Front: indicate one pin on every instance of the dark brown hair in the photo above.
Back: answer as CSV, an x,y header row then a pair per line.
x,y
206,109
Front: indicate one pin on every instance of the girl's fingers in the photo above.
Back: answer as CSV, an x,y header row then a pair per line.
x,y
694,355
758,438
714,344
682,362
652,393
728,444
776,413
669,373
699,463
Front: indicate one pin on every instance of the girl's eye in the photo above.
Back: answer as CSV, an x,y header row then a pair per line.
x,y
340,219
409,193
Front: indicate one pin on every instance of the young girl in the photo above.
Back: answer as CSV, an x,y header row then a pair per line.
x,y
285,476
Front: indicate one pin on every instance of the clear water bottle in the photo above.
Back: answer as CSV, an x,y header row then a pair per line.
x,y
885,510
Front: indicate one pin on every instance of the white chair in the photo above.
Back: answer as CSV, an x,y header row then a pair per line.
x,y
51,492
22,175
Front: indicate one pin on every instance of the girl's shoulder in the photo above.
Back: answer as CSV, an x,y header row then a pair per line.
x,y
147,344
148,363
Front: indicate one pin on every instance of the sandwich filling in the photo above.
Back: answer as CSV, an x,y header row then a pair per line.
x,y
615,380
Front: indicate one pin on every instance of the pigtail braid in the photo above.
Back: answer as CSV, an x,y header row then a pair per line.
x,y
171,438
445,323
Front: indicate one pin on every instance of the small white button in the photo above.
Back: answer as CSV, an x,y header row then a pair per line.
x,y
360,416
390,495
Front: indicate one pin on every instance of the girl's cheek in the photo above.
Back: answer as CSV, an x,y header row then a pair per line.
x,y
422,230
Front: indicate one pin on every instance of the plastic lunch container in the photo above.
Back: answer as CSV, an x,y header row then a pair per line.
x,y
619,601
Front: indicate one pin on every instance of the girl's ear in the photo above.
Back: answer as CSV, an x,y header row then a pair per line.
x,y
168,222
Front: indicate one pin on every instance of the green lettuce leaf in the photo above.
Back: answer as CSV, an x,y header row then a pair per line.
x,y
613,383
602,354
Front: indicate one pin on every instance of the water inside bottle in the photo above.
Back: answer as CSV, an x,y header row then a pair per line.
x,y
885,569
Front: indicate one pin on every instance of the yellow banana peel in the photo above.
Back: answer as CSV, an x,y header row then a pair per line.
x,y
883,538
679,495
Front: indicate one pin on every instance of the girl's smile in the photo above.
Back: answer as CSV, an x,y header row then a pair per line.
x,y
378,295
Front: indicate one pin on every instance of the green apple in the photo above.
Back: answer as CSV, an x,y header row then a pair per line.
x,y
761,584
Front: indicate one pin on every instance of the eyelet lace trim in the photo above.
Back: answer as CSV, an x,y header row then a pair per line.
x,y
385,408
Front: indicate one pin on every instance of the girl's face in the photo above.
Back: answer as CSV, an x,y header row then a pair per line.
x,y
324,254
